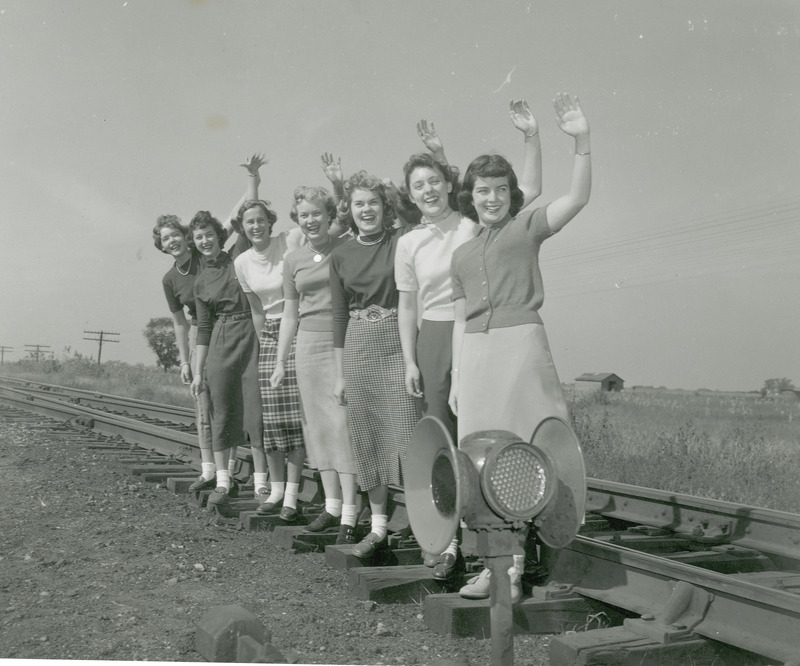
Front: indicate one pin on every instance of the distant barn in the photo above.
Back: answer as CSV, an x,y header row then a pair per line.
x,y
599,381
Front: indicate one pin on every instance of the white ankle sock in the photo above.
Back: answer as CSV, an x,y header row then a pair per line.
x,y
379,523
276,491
209,470
333,507
259,481
290,498
224,478
452,548
349,514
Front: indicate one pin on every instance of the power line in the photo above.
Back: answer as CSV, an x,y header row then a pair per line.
x,y
36,350
101,339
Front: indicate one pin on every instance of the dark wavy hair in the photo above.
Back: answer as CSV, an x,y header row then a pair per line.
x,y
364,181
310,194
450,175
203,219
167,222
488,166
266,206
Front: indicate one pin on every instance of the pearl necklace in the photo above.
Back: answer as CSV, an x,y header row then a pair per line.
x,y
375,242
177,268
318,253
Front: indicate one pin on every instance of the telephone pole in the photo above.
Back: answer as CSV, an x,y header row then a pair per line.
x,y
36,350
3,351
101,339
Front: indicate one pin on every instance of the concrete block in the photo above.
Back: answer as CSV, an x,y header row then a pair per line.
x,y
218,633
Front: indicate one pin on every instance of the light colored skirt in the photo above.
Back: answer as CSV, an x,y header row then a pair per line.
x,y
380,414
327,440
281,409
507,381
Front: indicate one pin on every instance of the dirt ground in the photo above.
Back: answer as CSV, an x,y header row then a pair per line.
x,y
97,565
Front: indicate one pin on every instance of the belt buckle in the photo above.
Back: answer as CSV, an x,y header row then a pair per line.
x,y
373,314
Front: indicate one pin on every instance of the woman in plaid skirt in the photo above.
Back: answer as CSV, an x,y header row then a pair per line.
x,y
370,372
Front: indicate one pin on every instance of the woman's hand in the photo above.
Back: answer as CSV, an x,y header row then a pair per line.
x,y
332,168
413,385
186,373
198,386
522,117
570,116
429,137
338,390
276,379
254,163
453,399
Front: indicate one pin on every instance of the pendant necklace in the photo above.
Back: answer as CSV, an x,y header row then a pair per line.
x,y
318,253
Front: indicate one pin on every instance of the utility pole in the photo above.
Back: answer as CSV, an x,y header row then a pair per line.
x,y
3,351
101,339
36,350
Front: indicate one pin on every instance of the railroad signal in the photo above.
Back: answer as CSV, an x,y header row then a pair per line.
x,y
100,339
496,482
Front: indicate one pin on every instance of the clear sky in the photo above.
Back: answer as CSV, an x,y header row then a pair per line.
x,y
682,271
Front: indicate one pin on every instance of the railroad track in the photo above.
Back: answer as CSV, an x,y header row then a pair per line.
x,y
673,575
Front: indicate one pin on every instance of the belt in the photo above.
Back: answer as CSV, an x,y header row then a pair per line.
x,y
234,316
373,313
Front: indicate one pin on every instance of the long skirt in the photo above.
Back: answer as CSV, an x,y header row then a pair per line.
x,y
232,379
202,403
326,436
507,381
380,414
434,358
281,410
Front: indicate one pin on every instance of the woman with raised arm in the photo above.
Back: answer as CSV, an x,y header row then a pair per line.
x,y
369,362
227,353
503,373
422,272
307,311
171,237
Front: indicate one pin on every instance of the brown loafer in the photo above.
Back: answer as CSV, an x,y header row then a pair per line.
x,y
368,545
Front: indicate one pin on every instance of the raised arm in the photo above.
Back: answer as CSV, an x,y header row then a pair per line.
x,y
332,168
428,135
530,181
252,164
572,122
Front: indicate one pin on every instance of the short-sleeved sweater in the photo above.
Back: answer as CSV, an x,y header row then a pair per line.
x,y
361,275
179,288
309,283
422,263
216,292
498,272
262,274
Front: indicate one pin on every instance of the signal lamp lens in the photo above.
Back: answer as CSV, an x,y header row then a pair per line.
x,y
515,480
443,485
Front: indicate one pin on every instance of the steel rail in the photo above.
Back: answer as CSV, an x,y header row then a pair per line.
x,y
733,609
703,520
153,410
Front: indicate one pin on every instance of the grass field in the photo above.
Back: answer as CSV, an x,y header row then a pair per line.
x,y
737,447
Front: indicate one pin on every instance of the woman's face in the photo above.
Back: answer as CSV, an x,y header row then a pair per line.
x,y
313,219
207,241
428,190
367,209
173,242
255,225
492,199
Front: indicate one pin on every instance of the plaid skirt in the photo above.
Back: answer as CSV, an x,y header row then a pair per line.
x,y
507,381
281,410
327,440
380,414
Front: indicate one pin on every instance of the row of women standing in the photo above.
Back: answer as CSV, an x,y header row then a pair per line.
x,y
441,318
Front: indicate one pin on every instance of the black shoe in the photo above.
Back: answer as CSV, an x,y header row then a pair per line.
x,y
449,566
346,536
234,490
368,545
202,484
288,514
267,509
219,496
322,522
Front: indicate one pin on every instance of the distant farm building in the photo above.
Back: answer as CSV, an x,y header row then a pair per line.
x,y
599,381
